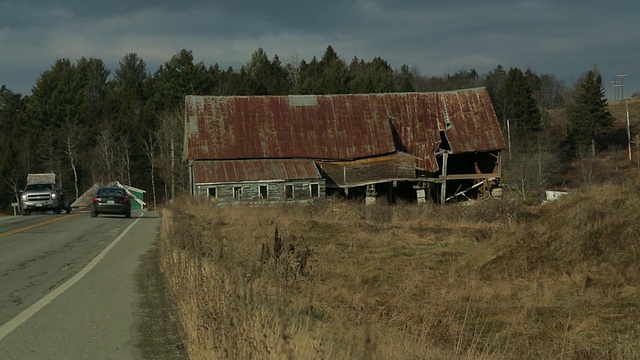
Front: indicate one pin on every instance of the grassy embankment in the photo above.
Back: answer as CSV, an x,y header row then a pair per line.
x,y
489,280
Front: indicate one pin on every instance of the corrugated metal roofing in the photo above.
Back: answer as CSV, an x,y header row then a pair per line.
x,y
340,127
474,125
254,170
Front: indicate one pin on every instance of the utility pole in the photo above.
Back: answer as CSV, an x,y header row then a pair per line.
x,y
626,104
621,76
509,137
616,85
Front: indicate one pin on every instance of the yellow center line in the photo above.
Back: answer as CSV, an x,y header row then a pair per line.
x,y
35,225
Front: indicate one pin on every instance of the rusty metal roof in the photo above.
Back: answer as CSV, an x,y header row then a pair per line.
x,y
340,127
254,170
472,122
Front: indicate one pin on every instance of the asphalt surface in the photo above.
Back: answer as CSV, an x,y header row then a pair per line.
x,y
75,287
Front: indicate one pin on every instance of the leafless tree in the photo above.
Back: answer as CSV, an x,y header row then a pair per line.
x,y
149,146
106,151
72,140
125,145
13,184
293,68
171,165
533,165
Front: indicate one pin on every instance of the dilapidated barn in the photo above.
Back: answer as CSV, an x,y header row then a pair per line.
x,y
415,146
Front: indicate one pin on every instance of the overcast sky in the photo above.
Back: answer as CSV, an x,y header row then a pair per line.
x,y
565,38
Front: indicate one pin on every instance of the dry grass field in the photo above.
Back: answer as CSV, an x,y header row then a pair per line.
x,y
491,279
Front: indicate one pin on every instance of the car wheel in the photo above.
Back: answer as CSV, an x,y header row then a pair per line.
x,y
26,212
127,214
57,211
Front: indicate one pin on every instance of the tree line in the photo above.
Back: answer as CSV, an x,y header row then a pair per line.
x,y
89,125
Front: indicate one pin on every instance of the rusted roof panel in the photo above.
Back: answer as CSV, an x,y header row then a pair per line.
x,y
340,127
254,170
473,121
243,127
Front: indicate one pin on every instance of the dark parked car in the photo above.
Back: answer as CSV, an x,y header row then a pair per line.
x,y
111,200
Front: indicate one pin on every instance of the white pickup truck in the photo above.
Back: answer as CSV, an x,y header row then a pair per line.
x,y
42,193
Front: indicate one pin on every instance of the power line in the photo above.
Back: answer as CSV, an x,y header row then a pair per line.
x,y
616,85
621,76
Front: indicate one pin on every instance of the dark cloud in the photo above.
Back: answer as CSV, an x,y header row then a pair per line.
x,y
564,38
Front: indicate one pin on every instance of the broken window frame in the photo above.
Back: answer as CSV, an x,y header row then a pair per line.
x,y
263,192
316,193
212,193
288,191
237,192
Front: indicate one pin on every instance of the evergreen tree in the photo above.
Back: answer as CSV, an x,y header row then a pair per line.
x,y
374,77
280,82
463,79
130,120
67,94
546,90
264,77
520,108
176,79
358,73
310,78
15,142
224,83
588,116
381,76
257,73
493,83
129,80
334,74
92,76
404,80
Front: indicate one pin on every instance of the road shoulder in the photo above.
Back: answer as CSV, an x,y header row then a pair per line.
x,y
117,310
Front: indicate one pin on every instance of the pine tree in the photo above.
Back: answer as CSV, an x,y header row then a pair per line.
x,y
374,77
128,116
588,116
404,80
335,75
264,77
177,78
520,108
493,82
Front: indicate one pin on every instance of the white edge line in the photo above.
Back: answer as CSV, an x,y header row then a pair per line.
x,y
12,324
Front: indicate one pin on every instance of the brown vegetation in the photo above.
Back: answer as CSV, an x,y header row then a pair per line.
x,y
335,280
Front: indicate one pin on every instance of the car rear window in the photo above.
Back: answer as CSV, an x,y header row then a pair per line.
x,y
110,192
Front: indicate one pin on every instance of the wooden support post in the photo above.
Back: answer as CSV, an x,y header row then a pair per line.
x,y
421,196
371,195
443,188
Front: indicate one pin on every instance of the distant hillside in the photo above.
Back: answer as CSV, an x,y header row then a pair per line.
x,y
618,109
557,117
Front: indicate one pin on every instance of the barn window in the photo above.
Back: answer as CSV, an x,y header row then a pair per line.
x,y
212,193
288,191
315,190
263,191
237,192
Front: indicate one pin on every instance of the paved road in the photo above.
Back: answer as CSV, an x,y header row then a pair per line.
x,y
75,287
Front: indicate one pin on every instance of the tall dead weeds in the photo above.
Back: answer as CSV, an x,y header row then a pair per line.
x,y
489,280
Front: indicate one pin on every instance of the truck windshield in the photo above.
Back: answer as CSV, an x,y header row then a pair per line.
x,y
39,187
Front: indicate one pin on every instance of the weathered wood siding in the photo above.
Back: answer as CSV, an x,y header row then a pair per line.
x,y
276,191
369,171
